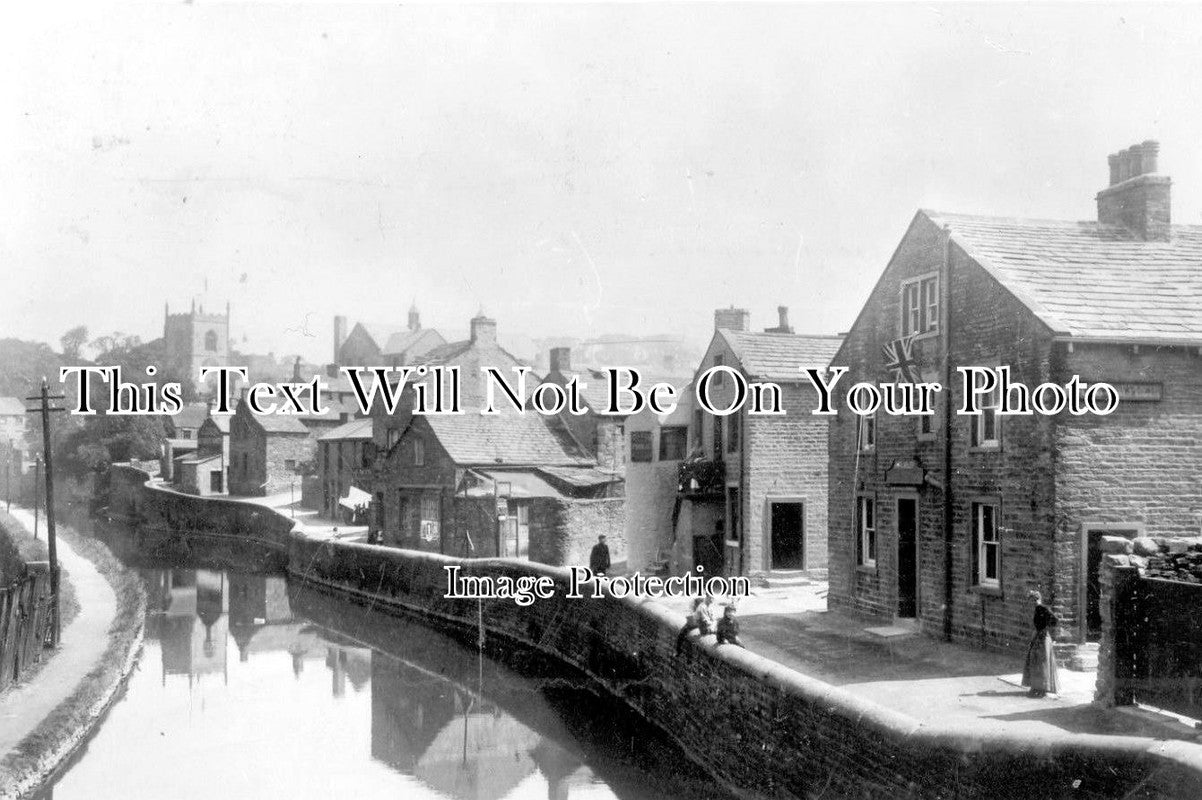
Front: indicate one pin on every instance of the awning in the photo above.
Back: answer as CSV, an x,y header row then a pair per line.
x,y
517,484
355,498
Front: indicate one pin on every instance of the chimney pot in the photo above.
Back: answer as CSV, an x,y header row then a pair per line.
x,y
1151,151
1139,200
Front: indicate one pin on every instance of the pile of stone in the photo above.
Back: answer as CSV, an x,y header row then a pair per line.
x,y
1158,557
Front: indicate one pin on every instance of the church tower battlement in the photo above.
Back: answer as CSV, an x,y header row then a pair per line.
x,y
193,339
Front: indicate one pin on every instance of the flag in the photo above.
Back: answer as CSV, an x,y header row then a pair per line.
x,y
899,357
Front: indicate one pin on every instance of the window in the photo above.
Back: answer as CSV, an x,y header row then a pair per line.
x,y
368,454
866,432
698,428
985,426
732,502
290,464
719,377
717,438
394,436
430,517
732,433
640,446
987,560
215,482
866,538
211,341
672,442
419,452
185,434
920,305
245,464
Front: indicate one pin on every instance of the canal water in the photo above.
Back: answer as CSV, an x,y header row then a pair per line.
x,y
249,687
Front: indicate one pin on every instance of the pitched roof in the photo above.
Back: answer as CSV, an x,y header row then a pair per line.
x,y
10,406
780,356
191,415
355,429
279,423
1088,280
508,438
222,421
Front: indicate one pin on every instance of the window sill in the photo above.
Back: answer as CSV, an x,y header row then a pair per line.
x,y
918,337
988,591
866,569
985,448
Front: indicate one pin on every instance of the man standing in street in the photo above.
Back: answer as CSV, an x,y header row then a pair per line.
x,y
598,560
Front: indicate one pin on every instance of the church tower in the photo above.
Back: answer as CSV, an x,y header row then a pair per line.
x,y
194,339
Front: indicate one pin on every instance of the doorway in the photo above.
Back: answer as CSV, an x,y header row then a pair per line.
x,y
1093,563
907,557
787,529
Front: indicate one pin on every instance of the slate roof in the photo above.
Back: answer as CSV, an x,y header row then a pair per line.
x,y
780,356
10,406
191,416
507,438
1091,281
356,429
279,423
395,339
580,476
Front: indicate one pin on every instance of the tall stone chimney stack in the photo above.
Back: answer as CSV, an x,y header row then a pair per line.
x,y
561,360
1137,198
484,329
339,336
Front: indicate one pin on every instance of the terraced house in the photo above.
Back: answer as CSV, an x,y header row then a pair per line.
x,y
515,484
752,496
950,519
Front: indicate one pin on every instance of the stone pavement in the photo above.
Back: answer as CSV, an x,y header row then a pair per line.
x,y
308,519
926,678
82,645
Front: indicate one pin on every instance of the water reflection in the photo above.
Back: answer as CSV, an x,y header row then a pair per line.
x,y
298,708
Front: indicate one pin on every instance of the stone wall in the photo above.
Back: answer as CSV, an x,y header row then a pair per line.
x,y
752,724
1151,608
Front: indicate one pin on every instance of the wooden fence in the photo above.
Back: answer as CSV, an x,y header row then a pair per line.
x,y
25,618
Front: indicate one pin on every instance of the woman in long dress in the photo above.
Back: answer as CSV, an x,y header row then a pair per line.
x,y
1039,672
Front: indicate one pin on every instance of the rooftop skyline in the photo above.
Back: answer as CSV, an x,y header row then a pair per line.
x,y
571,170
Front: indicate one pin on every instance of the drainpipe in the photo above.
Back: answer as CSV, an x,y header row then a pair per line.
x,y
744,487
948,525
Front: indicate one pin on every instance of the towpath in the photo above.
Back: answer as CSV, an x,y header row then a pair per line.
x,y
84,640
926,678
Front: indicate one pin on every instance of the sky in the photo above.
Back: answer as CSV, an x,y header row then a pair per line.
x,y
571,170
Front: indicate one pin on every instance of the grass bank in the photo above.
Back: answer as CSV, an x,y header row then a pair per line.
x,y
68,726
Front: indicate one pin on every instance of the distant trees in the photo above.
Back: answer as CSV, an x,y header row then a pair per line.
x,y
73,341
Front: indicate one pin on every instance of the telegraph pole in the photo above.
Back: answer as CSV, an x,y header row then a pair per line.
x,y
51,540
37,496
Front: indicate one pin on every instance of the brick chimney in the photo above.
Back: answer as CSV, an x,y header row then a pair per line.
x,y
339,336
561,360
732,319
783,326
484,329
1137,198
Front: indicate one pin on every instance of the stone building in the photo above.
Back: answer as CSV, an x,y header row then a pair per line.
x,y
194,339
950,519
516,484
753,492
656,445
344,459
205,471
372,345
268,452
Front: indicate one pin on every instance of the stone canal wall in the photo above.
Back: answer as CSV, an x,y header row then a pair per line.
x,y
754,725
